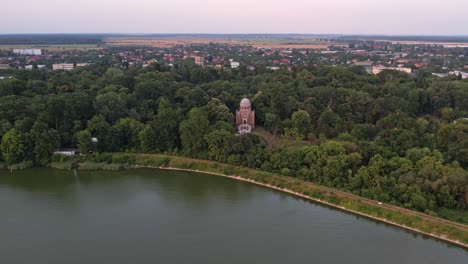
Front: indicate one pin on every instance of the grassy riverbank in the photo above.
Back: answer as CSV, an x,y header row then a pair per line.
x,y
440,228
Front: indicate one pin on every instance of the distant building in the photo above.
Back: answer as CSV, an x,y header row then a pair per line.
x,y
63,66
169,57
67,152
377,70
30,67
463,75
329,51
83,64
378,46
245,117
199,60
4,66
235,64
359,52
33,58
441,75
27,51
363,63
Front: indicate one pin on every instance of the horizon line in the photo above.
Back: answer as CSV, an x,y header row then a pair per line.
x,y
198,33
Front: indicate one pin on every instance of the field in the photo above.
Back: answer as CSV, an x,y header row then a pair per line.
x,y
167,42
420,42
53,48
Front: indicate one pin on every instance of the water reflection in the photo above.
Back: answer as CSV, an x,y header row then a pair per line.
x,y
194,189
153,216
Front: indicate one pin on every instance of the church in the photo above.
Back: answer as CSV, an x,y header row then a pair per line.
x,y
245,117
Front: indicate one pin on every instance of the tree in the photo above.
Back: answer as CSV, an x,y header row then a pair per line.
x,y
147,90
329,124
218,147
112,75
162,134
193,131
453,140
217,111
15,146
301,121
447,114
101,130
363,131
272,122
84,142
111,106
45,142
126,134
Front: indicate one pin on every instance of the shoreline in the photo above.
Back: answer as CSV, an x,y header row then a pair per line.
x,y
291,192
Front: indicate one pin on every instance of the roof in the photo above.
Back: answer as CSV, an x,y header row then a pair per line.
x,y
245,102
67,150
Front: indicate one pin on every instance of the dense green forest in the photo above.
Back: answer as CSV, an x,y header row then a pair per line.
x,y
393,137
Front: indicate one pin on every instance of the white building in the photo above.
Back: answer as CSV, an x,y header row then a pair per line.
x,y
63,66
329,51
235,64
83,64
27,51
67,152
464,75
30,67
441,75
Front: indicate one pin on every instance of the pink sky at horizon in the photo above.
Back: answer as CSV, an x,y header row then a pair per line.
x,y
404,17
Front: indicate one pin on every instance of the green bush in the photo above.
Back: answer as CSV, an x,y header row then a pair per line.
x,y
164,161
228,170
89,165
101,157
63,162
64,158
113,167
102,166
21,166
123,158
61,165
152,161
459,215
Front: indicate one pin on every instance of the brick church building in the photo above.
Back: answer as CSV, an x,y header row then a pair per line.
x,y
245,117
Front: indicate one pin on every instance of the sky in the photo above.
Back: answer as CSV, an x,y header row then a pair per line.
x,y
388,17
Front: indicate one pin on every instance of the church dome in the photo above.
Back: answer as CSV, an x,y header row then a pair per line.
x,y
245,102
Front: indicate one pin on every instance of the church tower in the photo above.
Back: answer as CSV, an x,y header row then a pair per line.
x,y
245,117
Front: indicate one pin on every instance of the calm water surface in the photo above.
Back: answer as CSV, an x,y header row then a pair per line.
x,y
152,216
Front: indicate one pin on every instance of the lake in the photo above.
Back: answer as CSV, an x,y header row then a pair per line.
x,y
154,216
